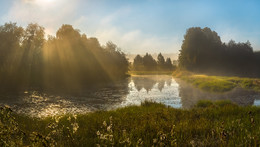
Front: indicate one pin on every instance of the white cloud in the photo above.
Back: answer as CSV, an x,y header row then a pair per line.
x,y
53,14
50,15
137,42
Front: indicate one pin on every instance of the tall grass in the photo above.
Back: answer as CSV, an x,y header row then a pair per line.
x,y
151,124
218,84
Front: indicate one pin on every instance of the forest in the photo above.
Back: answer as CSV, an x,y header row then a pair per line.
x,y
203,51
69,60
148,63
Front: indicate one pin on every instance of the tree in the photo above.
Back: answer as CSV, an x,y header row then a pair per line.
x,y
168,64
149,62
200,47
32,55
11,36
68,60
203,51
161,61
138,63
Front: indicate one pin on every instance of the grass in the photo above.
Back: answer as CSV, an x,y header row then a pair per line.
x,y
150,72
151,124
218,84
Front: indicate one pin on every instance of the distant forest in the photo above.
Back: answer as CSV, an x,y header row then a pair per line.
x,y
148,63
67,61
203,51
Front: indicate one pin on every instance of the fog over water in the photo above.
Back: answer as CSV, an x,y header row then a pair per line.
x,y
132,91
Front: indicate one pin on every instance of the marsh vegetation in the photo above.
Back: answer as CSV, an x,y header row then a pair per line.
x,y
208,124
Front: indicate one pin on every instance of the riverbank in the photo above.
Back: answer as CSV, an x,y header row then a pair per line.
x,y
208,124
218,84
150,72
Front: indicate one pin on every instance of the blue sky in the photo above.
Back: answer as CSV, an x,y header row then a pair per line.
x,y
139,26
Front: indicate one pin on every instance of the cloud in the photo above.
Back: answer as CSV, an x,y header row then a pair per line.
x,y
105,25
51,15
137,42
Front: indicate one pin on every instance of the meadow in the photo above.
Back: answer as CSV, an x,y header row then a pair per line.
x,y
207,124
218,84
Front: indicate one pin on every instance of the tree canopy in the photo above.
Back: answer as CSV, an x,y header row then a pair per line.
x,y
203,51
148,63
68,60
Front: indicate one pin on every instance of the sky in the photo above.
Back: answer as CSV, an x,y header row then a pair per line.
x,y
140,26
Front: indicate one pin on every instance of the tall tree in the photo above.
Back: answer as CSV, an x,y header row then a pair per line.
x,y
149,62
168,64
138,63
161,61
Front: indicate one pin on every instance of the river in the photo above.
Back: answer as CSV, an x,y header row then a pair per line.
x,y
132,91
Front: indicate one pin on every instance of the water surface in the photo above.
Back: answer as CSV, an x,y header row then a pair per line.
x,y
132,91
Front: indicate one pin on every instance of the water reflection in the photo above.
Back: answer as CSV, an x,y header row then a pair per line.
x,y
149,81
160,88
132,91
43,103
191,95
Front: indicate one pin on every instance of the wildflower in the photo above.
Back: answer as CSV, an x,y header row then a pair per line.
x,y
69,118
75,127
139,142
192,142
110,138
162,137
98,133
75,116
110,119
105,123
57,119
154,141
109,128
124,133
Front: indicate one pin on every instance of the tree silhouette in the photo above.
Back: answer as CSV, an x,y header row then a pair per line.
x,y
161,61
138,63
203,51
70,60
148,63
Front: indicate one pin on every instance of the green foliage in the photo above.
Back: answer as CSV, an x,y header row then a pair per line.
x,y
67,61
218,83
210,83
147,63
151,124
204,103
10,134
207,103
202,51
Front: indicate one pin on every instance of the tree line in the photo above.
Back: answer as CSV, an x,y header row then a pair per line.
x,y
203,51
68,60
148,63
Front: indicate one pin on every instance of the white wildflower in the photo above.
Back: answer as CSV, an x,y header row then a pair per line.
x,y
75,127
105,123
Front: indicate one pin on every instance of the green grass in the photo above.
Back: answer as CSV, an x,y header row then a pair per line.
x,y
218,83
150,72
207,124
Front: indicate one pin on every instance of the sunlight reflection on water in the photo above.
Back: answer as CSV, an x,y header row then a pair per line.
x,y
165,90
133,91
